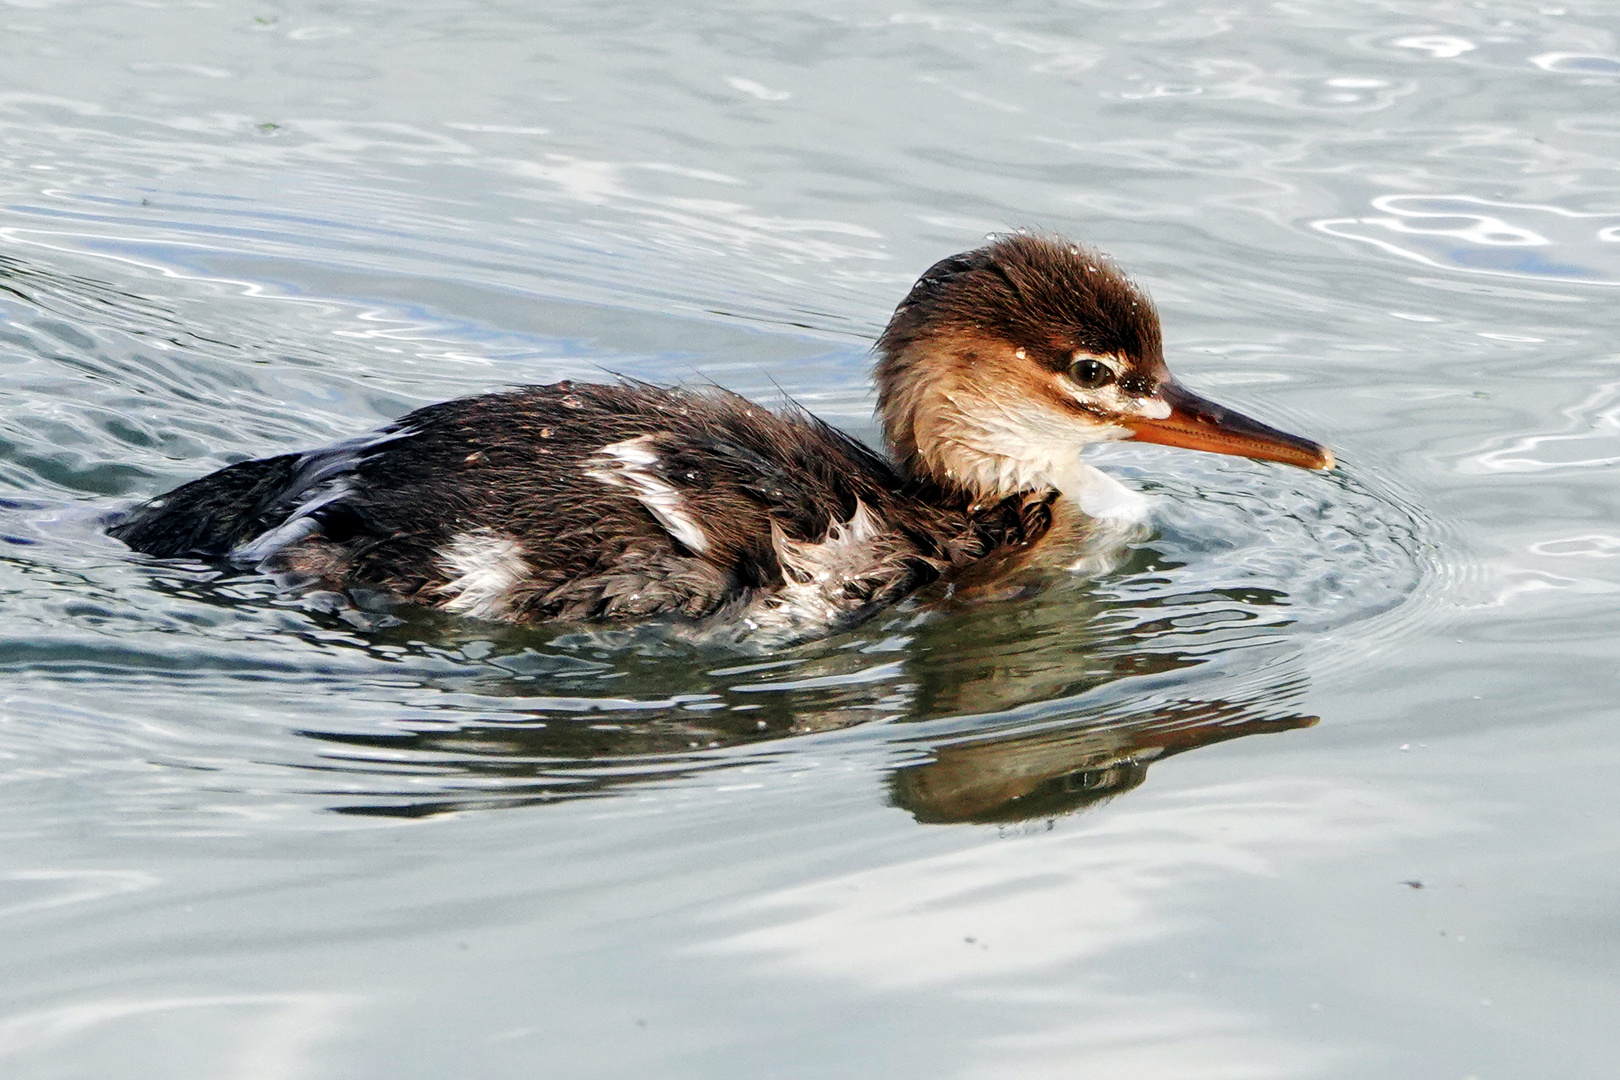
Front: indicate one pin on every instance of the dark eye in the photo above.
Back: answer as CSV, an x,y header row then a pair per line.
x,y
1091,373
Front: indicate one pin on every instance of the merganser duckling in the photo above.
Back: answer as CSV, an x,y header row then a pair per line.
x,y
628,501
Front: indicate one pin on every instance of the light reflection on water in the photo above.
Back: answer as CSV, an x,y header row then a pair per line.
x,y
1464,232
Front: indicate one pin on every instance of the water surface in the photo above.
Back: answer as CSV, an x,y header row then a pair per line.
x,y
1313,781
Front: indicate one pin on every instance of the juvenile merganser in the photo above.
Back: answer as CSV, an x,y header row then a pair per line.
x,y
627,501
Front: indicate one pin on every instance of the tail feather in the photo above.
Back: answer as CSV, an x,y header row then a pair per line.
x,y
211,516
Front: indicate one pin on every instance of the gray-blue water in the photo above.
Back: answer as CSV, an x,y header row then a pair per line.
x,y
1319,782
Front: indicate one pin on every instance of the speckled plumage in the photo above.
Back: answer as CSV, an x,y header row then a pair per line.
x,y
383,511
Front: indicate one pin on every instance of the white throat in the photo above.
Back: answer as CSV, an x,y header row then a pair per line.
x,y
997,451
1100,496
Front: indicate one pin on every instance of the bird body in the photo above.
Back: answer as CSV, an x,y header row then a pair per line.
x,y
627,501
592,501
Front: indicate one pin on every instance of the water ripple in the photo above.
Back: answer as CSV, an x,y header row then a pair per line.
x,y
1482,236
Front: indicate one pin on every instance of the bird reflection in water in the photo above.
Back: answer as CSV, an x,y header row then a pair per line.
x,y
1013,778
1020,709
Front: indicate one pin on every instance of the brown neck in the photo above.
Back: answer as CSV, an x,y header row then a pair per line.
x,y
968,415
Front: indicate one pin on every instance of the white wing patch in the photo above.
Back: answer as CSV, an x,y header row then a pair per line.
x,y
814,596
484,566
629,465
322,477
843,554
